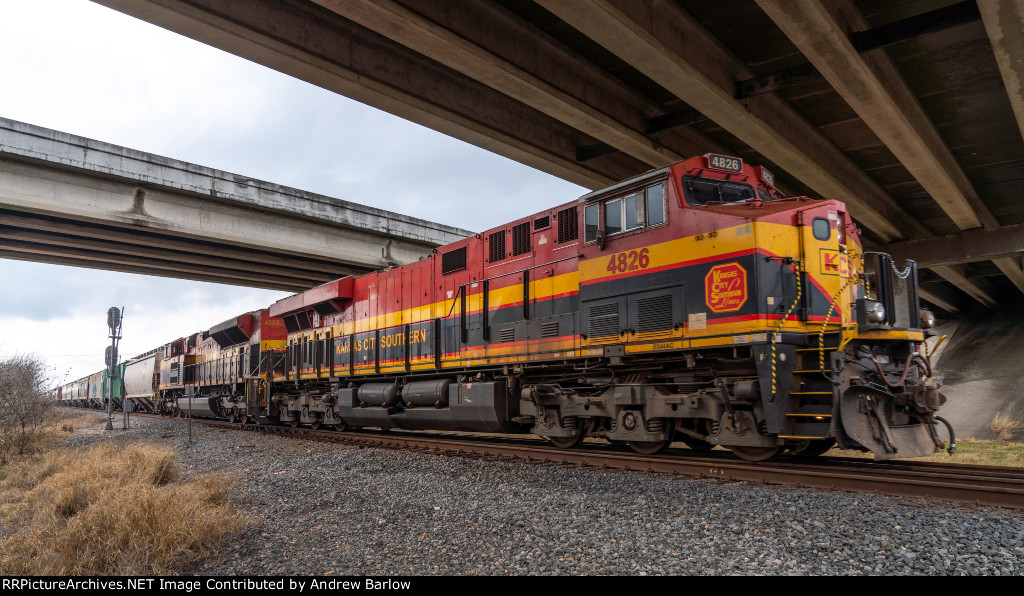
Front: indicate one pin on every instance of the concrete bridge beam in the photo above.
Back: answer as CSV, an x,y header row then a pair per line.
x,y
676,52
873,86
68,197
317,45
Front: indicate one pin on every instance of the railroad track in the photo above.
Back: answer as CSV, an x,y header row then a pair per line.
x,y
981,485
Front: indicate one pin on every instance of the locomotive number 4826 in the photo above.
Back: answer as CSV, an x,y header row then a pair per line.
x,y
629,261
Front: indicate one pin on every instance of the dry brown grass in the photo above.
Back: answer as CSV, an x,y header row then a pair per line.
x,y
1005,427
66,423
58,424
968,451
108,510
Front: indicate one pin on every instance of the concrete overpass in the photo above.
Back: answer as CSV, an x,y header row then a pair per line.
x,y
75,201
911,112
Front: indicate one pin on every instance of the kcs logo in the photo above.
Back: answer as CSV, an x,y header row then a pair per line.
x,y
725,288
834,262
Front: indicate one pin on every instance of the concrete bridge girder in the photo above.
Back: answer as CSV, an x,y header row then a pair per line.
x,y
316,45
481,73
675,51
32,189
873,86
71,200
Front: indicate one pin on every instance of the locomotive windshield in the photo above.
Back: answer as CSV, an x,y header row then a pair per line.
x,y
702,191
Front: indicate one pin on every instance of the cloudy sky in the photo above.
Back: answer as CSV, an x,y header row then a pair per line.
x,y
81,68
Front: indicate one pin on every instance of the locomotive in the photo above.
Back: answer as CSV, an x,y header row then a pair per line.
x,y
692,303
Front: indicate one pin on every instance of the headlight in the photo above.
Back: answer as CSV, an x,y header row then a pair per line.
x,y
927,319
874,311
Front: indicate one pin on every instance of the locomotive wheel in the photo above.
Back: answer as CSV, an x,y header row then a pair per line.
x,y
294,422
315,423
231,416
566,442
649,447
812,447
757,453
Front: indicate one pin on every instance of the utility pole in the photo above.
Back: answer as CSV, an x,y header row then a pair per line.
x,y
114,324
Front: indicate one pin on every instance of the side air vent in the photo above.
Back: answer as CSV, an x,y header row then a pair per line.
x,y
453,260
507,334
541,222
568,228
604,320
654,314
496,247
521,239
549,329
297,322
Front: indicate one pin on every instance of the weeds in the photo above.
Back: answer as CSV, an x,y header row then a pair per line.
x,y
1005,427
109,510
968,451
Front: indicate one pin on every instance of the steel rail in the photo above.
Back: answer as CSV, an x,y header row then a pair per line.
x,y
980,485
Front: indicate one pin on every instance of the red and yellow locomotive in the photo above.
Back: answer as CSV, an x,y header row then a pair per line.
x,y
691,303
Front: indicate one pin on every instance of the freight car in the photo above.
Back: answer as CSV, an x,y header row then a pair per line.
x,y
139,381
692,303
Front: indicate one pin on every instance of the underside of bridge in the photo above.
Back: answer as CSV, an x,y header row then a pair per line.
x,y
910,111
69,200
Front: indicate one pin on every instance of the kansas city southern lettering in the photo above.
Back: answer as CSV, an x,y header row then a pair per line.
x,y
390,340
725,288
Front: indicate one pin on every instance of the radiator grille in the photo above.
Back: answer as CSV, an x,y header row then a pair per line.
x,y
521,239
496,247
454,260
654,314
541,222
603,320
567,225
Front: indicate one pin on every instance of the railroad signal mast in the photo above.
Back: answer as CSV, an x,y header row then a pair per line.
x,y
114,321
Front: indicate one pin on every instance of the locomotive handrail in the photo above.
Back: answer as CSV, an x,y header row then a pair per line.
x,y
527,269
461,292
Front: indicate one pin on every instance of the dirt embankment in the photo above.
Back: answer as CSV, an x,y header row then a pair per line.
x,y
981,369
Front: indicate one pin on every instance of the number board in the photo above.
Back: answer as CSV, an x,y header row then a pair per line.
x,y
725,163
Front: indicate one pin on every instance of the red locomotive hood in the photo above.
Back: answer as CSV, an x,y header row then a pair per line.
x,y
785,212
762,209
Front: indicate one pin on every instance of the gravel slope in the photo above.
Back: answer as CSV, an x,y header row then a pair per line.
x,y
324,508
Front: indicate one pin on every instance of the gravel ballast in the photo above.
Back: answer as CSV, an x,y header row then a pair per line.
x,y
323,508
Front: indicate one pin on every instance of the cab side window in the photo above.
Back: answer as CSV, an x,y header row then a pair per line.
x,y
592,221
642,208
655,203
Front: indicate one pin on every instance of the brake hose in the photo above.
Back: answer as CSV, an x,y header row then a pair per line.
x,y
952,438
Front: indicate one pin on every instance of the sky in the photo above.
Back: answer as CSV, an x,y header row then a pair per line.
x,y
84,69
